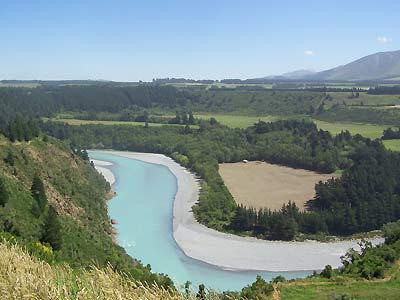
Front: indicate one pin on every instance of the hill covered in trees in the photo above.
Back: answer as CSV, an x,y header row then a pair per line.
x,y
51,196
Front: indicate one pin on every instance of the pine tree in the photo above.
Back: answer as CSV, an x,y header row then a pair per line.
x,y
4,196
191,118
10,158
178,118
184,118
12,132
52,230
39,194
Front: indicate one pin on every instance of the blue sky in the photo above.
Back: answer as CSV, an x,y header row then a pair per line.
x,y
141,40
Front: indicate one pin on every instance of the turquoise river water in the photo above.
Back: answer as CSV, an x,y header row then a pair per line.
x,y
143,208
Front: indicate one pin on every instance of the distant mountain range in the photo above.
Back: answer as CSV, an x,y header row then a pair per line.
x,y
378,66
298,74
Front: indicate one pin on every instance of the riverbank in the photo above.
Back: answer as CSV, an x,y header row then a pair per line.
x,y
233,252
101,167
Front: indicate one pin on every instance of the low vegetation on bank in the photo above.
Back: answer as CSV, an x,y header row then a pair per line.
x,y
36,276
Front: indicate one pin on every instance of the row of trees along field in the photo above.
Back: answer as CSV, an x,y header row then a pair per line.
x,y
94,101
364,198
390,134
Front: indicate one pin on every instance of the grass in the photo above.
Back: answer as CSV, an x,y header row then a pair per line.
x,y
236,121
361,291
130,123
392,144
365,98
25,277
341,288
368,130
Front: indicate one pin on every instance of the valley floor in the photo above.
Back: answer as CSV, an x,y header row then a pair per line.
x,y
234,252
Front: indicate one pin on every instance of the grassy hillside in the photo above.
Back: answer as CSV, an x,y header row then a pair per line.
x,y
75,191
32,278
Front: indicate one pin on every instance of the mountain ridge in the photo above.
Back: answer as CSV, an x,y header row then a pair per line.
x,y
376,66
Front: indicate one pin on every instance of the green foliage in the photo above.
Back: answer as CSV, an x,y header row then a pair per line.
x,y
327,272
42,251
10,158
341,206
259,290
371,262
361,115
20,130
201,294
392,232
76,227
390,134
52,230
4,196
39,194
278,279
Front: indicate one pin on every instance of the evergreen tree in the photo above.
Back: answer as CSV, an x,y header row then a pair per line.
x,y
52,230
39,194
12,132
10,158
178,118
191,118
185,118
4,196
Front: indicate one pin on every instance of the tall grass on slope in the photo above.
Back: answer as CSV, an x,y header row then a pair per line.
x,y
26,277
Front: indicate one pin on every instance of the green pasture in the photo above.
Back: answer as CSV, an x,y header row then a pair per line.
x,y
96,122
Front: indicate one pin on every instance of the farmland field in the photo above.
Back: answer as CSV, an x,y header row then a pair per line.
x,y
239,121
392,144
368,130
91,122
260,185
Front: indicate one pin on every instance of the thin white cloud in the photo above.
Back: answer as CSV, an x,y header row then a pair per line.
x,y
384,39
309,53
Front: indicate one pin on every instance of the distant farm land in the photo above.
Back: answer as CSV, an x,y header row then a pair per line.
x,y
128,123
372,131
237,121
263,185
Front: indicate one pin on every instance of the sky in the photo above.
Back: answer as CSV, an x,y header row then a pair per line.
x,y
141,40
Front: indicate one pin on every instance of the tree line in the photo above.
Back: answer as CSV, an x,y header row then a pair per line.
x,y
390,134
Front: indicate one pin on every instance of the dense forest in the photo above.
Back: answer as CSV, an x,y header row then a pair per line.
x,y
364,198
385,90
47,101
